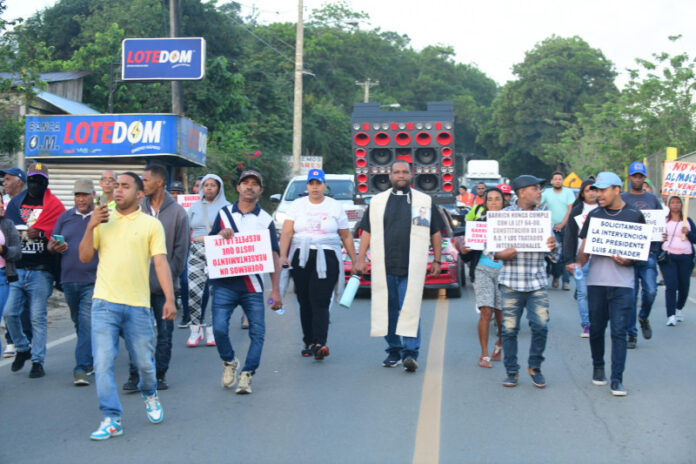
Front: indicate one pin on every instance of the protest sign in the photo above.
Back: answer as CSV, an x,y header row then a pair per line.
x,y
580,220
657,218
243,254
679,179
629,240
522,230
475,237
187,200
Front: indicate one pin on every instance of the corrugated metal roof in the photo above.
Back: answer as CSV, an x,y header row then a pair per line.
x,y
48,77
64,104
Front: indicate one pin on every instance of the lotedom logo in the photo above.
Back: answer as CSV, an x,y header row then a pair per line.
x,y
113,132
175,57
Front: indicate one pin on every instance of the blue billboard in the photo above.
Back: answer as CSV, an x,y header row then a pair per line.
x,y
163,59
108,135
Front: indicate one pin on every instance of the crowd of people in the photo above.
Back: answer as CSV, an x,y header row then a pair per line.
x,y
129,259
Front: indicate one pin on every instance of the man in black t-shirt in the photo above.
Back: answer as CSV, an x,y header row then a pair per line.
x,y
398,220
610,282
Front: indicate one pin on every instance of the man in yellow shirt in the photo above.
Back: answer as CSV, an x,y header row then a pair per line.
x,y
121,303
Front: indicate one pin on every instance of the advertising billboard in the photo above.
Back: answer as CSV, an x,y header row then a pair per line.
x,y
177,58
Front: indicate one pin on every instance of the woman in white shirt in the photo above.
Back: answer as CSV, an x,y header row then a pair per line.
x,y
314,231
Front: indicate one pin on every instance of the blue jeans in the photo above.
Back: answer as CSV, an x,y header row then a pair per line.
x,y
408,347
163,346
24,317
78,296
537,304
609,304
34,287
581,287
224,303
108,320
558,269
646,276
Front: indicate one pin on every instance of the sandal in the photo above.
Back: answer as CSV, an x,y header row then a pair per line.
x,y
320,352
308,351
497,353
485,361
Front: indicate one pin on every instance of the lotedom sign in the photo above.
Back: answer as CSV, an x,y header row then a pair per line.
x,y
163,59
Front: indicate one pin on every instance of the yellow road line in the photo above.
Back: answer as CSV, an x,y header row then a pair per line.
x,y
427,449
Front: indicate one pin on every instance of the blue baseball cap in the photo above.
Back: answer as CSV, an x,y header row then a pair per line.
x,y
315,174
15,172
606,180
637,168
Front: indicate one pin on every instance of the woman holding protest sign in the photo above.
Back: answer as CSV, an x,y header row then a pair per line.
x,y
486,286
677,259
314,231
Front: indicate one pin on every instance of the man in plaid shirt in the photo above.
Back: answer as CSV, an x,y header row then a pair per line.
x,y
523,283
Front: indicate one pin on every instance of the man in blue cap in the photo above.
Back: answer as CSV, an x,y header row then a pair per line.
x,y
645,271
610,281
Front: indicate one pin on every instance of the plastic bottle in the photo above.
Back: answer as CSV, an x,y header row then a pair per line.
x,y
349,292
277,311
577,273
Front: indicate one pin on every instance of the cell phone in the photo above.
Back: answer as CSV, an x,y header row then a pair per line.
x,y
59,239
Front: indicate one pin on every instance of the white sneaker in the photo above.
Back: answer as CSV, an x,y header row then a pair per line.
x,y
9,352
229,375
244,385
680,315
153,408
209,337
671,321
195,337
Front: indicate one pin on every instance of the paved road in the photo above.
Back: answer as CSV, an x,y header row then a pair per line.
x,y
350,409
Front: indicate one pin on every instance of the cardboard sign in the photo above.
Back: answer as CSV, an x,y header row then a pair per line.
x,y
243,254
187,200
630,240
679,179
475,237
657,218
522,230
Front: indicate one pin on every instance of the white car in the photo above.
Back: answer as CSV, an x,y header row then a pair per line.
x,y
338,186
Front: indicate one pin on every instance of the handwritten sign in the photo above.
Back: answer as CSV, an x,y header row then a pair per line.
x,y
475,237
657,218
243,254
679,179
630,240
187,200
522,230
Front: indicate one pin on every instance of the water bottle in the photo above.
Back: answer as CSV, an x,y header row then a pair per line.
x,y
577,273
277,311
351,289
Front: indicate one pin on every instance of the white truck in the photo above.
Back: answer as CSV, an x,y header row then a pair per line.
x,y
486,171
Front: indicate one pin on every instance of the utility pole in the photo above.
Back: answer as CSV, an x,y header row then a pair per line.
x,y
297,109
367,84
174,31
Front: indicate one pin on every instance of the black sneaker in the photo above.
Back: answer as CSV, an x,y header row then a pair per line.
x,y
161,381
393,360
131,384
598,377
617,389
511,379
410,364
645,328
632,341
90,370
185,321
37,371
537,377
20,358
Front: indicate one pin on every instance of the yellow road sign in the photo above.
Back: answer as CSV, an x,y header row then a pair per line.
x,y
572,181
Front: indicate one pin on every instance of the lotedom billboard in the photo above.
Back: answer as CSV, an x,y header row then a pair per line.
x,y
178,58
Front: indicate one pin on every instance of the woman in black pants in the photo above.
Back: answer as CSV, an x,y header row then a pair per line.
x,y
314,231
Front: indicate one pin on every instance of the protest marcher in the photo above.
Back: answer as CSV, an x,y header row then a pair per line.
x,y
10,252
316,226
645,271
14,180
584,203
480,191
107,183
126,240
245,215
507,193
464,199
202,216
159,204
486,289
176,188
197,185
34,211
610,283
559,200
678,261
399,260
77,278
523,284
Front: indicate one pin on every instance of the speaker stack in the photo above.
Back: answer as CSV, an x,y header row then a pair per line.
x,y
424,139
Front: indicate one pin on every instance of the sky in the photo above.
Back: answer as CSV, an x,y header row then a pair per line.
x,y
495,34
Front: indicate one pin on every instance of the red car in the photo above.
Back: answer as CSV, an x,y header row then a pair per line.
x,y
450,277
